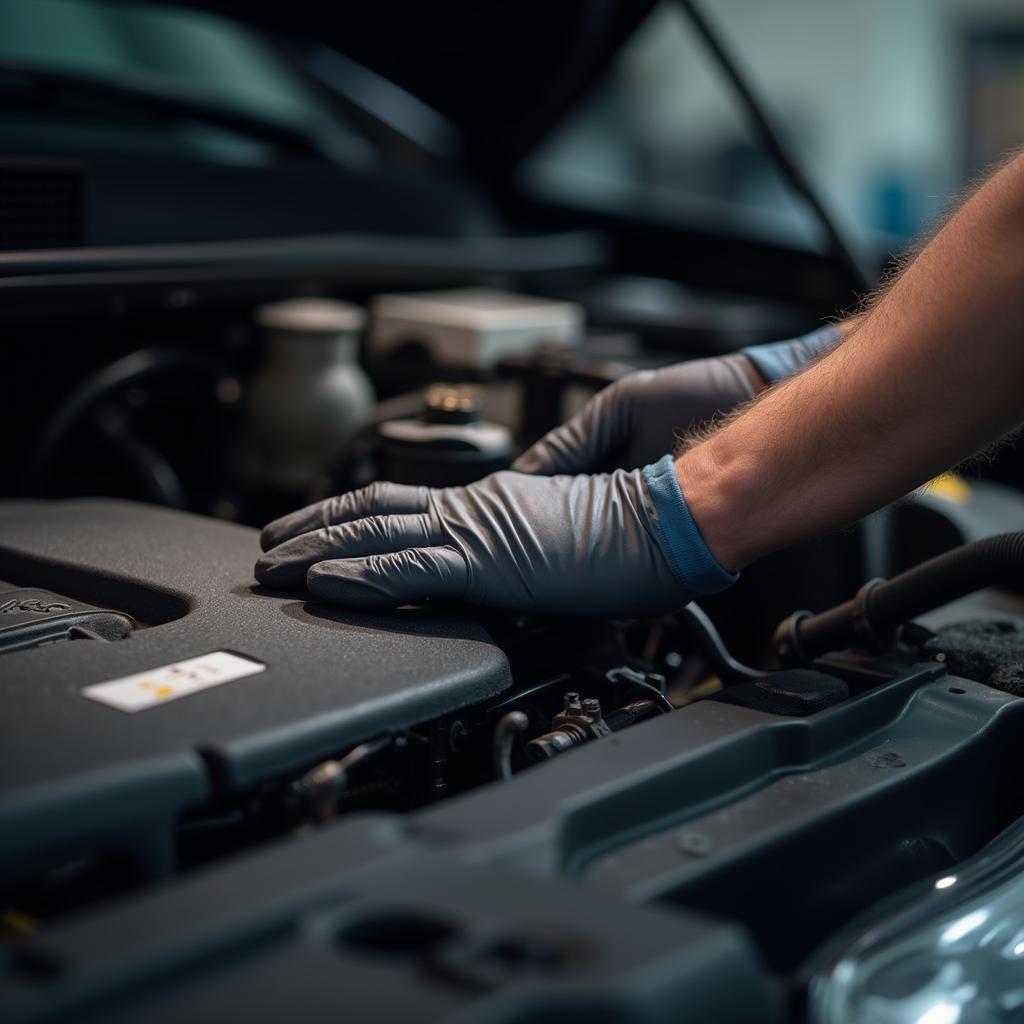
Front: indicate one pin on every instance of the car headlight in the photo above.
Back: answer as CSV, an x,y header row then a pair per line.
x,y
948,952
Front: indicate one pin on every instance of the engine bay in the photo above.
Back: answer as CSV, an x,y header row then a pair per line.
x,y
489,813
791,802
217,798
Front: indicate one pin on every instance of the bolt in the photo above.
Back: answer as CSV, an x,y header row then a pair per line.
x,y
457,735
572,702
592,707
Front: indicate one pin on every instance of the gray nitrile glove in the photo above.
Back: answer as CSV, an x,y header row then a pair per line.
x,y
613,544
635,420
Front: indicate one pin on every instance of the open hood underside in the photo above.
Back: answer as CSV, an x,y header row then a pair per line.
x,y
502,73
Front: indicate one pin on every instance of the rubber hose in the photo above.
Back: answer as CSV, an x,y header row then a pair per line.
x,y
993,562
104,384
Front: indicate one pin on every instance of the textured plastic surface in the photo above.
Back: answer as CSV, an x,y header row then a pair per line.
x,y
517,901
793,693
356,924
788,825
71,767
32,617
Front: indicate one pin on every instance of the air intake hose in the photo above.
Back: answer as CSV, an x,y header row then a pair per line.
x,y
870,619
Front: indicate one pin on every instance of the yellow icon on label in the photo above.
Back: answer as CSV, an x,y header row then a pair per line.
x,y
159,690
169,682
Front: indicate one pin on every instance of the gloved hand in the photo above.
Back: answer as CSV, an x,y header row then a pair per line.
x,y
635,420
617,544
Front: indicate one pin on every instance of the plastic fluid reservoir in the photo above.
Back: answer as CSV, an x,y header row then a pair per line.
x,y
310,395
447,445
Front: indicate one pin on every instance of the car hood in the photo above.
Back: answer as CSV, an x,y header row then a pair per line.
x,y
504,74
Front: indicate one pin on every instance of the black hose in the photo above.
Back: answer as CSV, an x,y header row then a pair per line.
x,y
635,679
700,630
881,606
156,475
101,386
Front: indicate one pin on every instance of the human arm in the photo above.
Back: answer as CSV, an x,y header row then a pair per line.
x,y
931,374
618,543
635,420
606,544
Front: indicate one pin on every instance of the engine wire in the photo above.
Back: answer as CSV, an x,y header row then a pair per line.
x,y
509,726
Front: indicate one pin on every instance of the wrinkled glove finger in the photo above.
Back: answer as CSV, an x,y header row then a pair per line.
x,y
558,451
380,498
387,581
576,446
286,565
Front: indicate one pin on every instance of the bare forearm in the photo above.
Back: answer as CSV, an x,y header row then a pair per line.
x,y
796,351
931,374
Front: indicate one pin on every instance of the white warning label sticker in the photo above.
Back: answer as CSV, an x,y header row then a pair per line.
x,y
169,682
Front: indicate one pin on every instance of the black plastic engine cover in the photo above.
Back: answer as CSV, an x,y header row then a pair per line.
x,y
31,618
73,769
356,924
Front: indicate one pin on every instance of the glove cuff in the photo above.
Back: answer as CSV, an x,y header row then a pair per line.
x,y
688,556
781,359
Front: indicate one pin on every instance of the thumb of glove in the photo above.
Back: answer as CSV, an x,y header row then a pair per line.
x,y
581,443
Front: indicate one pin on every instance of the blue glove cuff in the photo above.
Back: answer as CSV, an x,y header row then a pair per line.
x,y
688,556
781,359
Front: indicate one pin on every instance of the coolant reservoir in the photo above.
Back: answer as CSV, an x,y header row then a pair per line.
x,y
310,395
448,445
